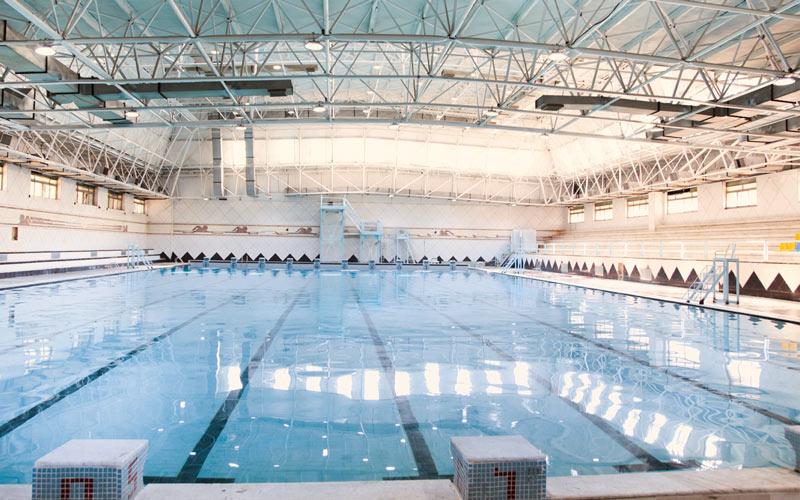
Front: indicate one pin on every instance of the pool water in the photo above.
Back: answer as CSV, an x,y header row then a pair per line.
x,y
355,375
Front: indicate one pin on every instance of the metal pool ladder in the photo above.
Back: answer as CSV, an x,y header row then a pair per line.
x,y
136,257
707,282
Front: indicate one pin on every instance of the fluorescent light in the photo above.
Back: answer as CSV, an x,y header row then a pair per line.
x,y
786,80
277,67
491,112
131,114
557,56
241,127
314,45
391,195
394,125
45,50
319,108
365,111
291,112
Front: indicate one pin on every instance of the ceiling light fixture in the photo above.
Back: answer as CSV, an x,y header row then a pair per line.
x,y
365,111
131,114
391,195
290,112
319,108
241,126
277,67
557,56
394,126
786,80
314,45
45,49
491,112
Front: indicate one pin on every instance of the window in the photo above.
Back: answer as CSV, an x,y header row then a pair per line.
x,y
575,215
638,207
604,211
85,195
114,200
682,201
740,193
44,186
138,205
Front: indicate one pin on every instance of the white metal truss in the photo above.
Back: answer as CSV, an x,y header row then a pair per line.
x,y
474,64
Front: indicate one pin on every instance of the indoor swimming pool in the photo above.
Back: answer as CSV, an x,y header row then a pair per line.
x,y
335,375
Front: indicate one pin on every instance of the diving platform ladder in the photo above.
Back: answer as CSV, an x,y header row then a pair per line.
x,y
708,281
402,247
516,261
335,214
135,257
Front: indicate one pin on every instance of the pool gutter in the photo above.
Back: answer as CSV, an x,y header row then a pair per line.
x,y
762,483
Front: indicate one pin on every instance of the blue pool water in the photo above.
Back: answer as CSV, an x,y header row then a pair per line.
x,y
330,375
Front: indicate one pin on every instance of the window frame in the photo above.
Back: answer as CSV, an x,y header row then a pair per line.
x,y
603,208
575,211
84,200
120,197
635,203
675,197
751,187
48,184
139,202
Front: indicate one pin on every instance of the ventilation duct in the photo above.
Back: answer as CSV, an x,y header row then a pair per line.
x,y
628,106
271,88
249,168
216,150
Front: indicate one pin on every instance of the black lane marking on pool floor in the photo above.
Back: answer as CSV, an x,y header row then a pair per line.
x,y
730,397
20,419
419,448
95,320
191,468
649,461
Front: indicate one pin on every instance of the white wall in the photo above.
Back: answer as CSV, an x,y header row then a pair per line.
x,y
51,225
290,225
777,200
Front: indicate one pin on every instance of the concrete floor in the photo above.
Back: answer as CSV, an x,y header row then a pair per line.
x,y
751,484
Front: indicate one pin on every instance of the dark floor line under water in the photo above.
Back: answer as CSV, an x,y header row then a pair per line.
x,y
730,397
649,461
191,468
426,467
20,419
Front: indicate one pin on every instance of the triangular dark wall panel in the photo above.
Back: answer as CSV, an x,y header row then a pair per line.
x,y
275,258
186,257
779,289
216,256
229,257
290,256
676,279
304,258
480,259
353,259
753,286
661,276
635,276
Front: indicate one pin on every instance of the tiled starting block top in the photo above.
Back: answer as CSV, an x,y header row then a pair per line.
x,y
498,468
107,469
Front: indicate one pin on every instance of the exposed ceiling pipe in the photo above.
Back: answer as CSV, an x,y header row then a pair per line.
x,y
218,175
249,169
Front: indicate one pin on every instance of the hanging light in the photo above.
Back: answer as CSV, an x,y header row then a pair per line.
x,y
241,126
290,112
557,56
365,111
131,114
319,108
277,67
314,45
45,49
394,126
786,80
491,112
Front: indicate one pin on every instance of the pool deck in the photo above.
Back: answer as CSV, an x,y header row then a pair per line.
x,y
757,484
46,279
783,310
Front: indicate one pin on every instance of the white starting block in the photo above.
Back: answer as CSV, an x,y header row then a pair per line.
x,y
498,468
97,469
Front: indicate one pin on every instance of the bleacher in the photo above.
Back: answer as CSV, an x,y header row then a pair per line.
x,y
17,264
763,241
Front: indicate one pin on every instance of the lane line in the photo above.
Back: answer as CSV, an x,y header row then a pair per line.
x,y
20,419
426,467
191,468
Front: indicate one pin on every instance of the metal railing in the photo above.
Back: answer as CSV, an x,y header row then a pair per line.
x,y
751,250
135,257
